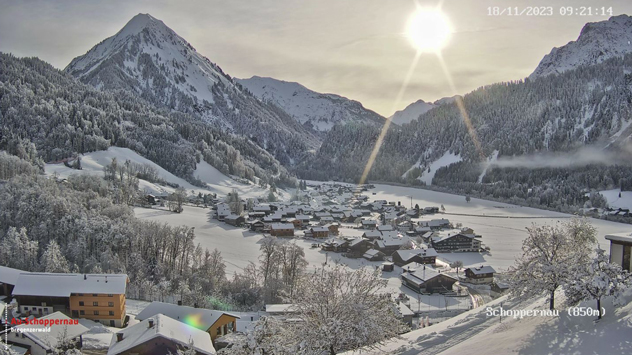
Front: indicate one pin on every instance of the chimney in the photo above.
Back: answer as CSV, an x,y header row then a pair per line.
x,y
180,303
85,277
106,279
151,323
119,337
195,305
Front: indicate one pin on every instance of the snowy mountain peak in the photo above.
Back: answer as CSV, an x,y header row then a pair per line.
x,y
151,60
411,112
597,42
316,111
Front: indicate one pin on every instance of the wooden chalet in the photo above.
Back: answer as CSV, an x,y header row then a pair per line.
x,y
480,275
282,229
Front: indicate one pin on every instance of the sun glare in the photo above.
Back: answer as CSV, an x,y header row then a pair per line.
x,y
429,30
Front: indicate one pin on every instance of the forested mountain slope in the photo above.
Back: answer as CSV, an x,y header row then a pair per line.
x,y
588,106
62,116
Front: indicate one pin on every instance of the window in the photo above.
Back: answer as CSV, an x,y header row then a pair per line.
x,y
96,304
110,295
81,303
110,304
111,313
82,312
96,313
95,294
80,294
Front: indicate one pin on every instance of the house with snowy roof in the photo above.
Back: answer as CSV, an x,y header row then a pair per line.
x,y
215,323
373,255
427,280
8,279
99,297
421,256
480,274
160,335
282,229
47,337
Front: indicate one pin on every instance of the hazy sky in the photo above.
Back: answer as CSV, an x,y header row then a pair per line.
x,y
354,48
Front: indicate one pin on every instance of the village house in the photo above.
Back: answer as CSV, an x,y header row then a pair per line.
x,y
297,223
235,220
319,232
160,335
373,255
45,342
303,218
215,323
456,243
333,228
621,250
257,226
372,235
263,209
368,224
431,210
97,297
282,229
480,275
390,245
335,245
359,246
421,256
436,224
326,220
427,280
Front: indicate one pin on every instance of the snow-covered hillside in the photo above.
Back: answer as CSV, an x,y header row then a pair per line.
x,y
411,112
312,109
477,333
93,163
597,42
149,59
617,198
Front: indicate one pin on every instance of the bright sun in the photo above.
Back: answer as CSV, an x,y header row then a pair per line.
x,y
428,30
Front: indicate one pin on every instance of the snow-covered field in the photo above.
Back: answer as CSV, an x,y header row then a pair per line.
x,y
614,201
93,163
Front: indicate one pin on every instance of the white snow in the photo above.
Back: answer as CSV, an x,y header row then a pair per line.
x,y
446,159
93,163
321,111
597,42
614,201
411,112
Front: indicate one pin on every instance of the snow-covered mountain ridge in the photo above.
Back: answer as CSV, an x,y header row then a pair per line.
x,y
314,110
597,42
149,59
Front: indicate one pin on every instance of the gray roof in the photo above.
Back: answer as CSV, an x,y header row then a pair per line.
x,y
282,226
406,255
204,318
62,285
426,274
482,270
164,327
9,275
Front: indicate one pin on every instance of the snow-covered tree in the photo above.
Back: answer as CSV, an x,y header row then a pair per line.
x,y
458,264
342,309
53,260
548,254
596,280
